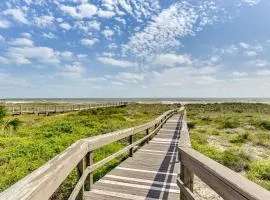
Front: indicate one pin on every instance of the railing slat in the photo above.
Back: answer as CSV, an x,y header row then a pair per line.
x,y
185,190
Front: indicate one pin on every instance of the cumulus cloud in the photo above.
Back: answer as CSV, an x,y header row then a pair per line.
x,y
75,70
239,74
49,35
127,77
115,62
17,14
4,23
89,42
2,38
259,63
65,26
22,42
84,10
264,72
251,2
171,60
164,32
108,33
26,35
43,21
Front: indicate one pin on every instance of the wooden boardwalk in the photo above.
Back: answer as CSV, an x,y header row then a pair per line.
x,y
150,174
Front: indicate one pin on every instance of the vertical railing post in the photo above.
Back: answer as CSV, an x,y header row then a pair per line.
x,y
187,177
147,133
91,162
131,149
80,170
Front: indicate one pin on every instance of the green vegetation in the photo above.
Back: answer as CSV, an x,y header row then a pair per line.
x,y
7,124
236,135
39,139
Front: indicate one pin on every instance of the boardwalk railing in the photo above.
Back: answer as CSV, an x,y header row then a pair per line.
x,y
227,183
47,109
43,182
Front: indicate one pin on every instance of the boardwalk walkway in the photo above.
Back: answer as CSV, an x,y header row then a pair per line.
x,y
151,172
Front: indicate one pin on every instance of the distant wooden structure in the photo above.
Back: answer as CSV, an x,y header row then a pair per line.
x,y
47,109
152,171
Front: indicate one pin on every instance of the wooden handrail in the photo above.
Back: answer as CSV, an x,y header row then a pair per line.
x,y
44,181
227,183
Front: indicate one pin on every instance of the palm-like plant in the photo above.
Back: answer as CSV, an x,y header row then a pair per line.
x,y
7,123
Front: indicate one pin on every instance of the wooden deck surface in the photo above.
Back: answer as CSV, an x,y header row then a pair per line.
x,y
150,174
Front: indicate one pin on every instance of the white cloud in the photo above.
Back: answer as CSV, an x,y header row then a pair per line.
x,y
65,26
259,63
108,33
22,55
239,74
105,13
94,25
250,53
49,35
88,42
127,77
76,70
117,83
43,21
162,33
26,35
171,60
246,49
2,38
84,10
17,14
251,2
185,77
115,62
4,23
264,72
22,42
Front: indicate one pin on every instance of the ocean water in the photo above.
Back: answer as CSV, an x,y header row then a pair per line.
x,y
137,100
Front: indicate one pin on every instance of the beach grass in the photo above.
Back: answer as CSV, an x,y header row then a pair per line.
x,y
236,135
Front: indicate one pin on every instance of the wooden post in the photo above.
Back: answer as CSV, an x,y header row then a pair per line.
x,y
20,109
80,169
186,177
130,142
147,133
90,161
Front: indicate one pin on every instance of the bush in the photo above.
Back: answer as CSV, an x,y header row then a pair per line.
x,y
240,138
260,173
229,124
265,125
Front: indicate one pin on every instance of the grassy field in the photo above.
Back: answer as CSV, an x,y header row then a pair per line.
x,y
235,135
38,139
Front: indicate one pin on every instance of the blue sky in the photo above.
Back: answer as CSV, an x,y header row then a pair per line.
x,y
134,48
